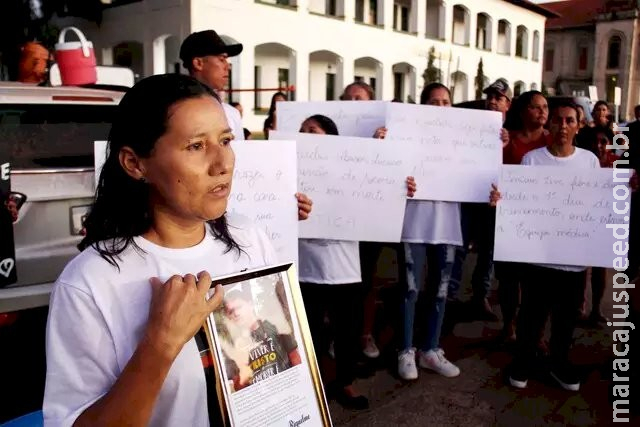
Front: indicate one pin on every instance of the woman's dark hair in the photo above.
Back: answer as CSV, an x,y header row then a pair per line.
x,y
362,85
121,208
426,92
326,124
597,104
513,120
564,103
272,106
268,122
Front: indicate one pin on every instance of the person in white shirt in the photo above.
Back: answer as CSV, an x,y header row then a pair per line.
x,y
123,314
550,288
431,231
330,282
204,54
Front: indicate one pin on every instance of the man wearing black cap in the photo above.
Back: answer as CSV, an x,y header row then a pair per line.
x,y
205,55
499,97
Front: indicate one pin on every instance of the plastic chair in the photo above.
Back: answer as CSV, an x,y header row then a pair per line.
x,y
33,419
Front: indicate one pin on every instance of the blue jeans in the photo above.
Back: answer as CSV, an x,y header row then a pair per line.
x,y
482,235
440,259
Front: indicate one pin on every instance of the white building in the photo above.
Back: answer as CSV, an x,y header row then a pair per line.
x,y
319,46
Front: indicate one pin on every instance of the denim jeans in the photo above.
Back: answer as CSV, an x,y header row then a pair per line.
x,y
482,234
440,259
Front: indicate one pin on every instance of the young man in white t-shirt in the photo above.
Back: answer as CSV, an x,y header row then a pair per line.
x,y
430,233
551,288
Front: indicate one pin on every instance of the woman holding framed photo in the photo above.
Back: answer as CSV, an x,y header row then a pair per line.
x,y
123,314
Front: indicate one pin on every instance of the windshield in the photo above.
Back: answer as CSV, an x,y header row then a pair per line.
x,y
52,136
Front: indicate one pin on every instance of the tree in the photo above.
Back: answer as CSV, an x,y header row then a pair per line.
x,y
544,89
479,80
431,73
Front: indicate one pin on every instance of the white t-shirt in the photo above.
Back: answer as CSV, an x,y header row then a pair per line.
x,y
435,222
580,159
234,120
98,315
330,262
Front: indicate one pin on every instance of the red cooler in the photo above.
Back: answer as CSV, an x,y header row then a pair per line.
x,y
76,59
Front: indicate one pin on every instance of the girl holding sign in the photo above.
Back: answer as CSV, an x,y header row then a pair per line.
x,y
431,231
551,289
124,313
330,281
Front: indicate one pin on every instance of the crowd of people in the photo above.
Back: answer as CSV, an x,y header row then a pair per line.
x,y
120,350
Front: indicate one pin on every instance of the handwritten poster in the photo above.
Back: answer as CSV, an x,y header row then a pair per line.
x,y
357,186
553,215
459,154
353,118
263,189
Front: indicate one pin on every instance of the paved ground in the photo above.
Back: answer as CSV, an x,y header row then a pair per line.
x,y
479,396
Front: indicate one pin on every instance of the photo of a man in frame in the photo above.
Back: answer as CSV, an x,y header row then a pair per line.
x,y
261,348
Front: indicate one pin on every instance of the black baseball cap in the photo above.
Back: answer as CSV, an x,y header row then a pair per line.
x,y
501,87
204,43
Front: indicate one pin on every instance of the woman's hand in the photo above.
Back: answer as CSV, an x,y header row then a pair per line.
x,y
178,309
411,186
380,133
305,205
504,137
494,196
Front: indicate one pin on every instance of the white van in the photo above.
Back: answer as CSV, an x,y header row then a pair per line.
x,y
48,133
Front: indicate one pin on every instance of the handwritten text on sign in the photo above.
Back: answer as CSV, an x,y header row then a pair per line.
x,y
357,186
353,118
264,188
459,154
553,215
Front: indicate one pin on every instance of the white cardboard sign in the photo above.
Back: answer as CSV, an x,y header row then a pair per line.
x,y
358,187
353,118
553,215
263,189
459,154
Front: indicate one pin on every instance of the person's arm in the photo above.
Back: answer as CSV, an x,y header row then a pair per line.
x,y
305,205
131,399
380,133
411,186
178,308
504,137
494,196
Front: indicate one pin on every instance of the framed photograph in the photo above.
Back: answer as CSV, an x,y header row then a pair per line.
x,y
259,360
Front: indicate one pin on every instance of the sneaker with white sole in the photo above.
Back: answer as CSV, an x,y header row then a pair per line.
x,y
519,375
435,360
369,347
566,376
407,369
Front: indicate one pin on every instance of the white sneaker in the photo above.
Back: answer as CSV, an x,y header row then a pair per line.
x,y
407,365
369,347
435,360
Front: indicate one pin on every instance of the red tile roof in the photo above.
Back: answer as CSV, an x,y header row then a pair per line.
x,y
581,13
541,9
